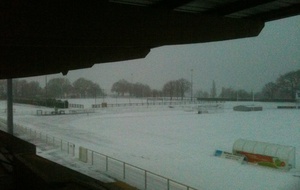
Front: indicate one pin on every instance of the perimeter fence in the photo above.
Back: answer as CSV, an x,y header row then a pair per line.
x,y
117,169
133,175
64,146
34,135
155,103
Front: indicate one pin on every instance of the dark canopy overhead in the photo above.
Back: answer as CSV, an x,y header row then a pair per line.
x,y
264,10
44,37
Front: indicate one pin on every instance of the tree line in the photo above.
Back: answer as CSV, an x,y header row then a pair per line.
x,y
55,88
284,87
173,88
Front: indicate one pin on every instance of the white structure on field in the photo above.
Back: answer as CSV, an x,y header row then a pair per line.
x,y
210,107
266,154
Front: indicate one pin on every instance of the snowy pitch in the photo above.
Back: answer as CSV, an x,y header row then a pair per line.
x,y
178,144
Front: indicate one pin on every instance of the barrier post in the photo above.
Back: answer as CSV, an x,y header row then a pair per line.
x,y
145,179
73,149
123,170
106,158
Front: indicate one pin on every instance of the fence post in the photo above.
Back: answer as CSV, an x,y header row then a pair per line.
x,y
68,147
145,179
61,145
92,159
168,184
106,157
123,170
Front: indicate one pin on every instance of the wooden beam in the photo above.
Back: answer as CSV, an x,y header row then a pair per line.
x,y
292,10
170,4
236,7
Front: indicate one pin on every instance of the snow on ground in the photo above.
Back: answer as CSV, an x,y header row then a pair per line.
x,y
177,143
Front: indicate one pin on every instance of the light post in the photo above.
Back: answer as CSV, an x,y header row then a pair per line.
x,y
95,96
46,89
61,91
103,95
130,88
191,85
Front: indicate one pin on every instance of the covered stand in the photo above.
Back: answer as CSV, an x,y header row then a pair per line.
x,y
266,154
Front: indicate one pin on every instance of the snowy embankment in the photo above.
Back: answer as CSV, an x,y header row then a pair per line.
x,y
179,144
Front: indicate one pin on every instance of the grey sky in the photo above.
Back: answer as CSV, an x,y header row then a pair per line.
x,y
241,64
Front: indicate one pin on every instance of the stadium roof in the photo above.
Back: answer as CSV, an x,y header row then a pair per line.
x,y
45,37
265,10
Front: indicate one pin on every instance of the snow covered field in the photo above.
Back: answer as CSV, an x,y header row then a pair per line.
x,y
179,143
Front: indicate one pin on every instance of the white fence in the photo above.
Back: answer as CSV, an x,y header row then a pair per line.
x,y
76,106
133,175
64,146
128,173
155,102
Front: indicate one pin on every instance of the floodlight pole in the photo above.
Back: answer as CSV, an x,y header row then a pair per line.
x,y
10,126
191,85
46,90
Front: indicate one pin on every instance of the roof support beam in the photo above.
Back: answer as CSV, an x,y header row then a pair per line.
x,y
278,14
170,4
236,7
10,125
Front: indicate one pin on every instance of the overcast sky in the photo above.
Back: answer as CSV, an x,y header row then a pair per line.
x,y
241,64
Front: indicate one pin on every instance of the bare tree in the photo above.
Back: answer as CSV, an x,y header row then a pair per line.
x,y
270,90
184,86
169,89
121,87
87,88
176,87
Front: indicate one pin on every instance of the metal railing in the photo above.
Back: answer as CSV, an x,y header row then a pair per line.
x,y
141,104
155,103
133,175
64,146
117,169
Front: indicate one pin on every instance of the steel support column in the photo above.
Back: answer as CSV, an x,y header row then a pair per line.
x,y
10,126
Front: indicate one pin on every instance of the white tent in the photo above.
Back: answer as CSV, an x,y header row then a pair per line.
x,y
266,154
